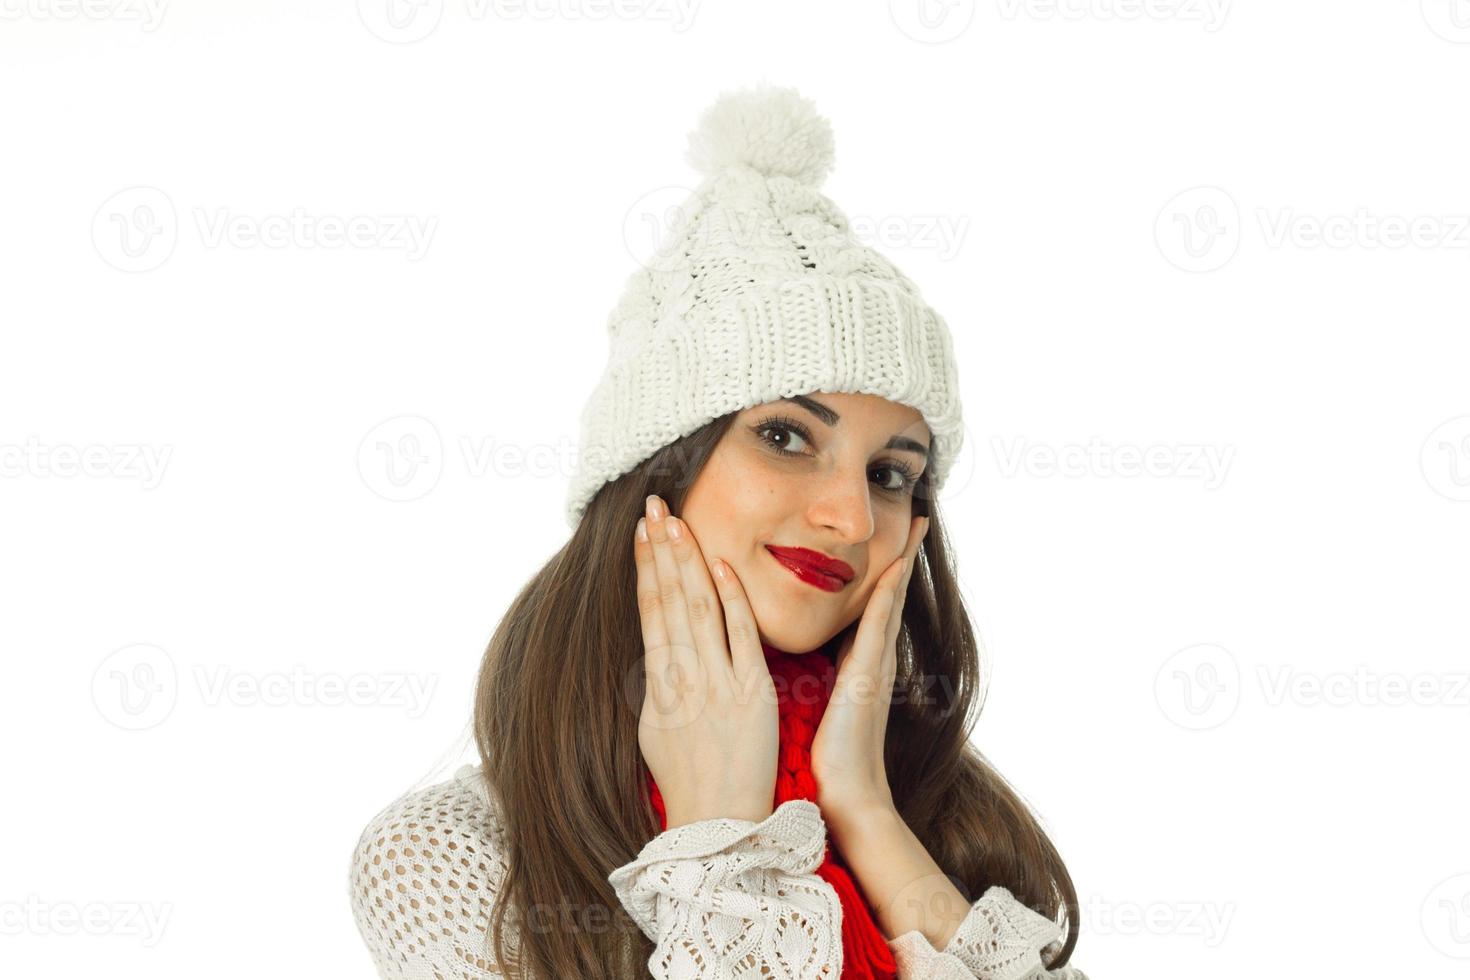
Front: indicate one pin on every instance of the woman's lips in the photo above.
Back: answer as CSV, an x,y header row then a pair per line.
x,y
812,576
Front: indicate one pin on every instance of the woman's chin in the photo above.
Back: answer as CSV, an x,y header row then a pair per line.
x,y
793,637
797,620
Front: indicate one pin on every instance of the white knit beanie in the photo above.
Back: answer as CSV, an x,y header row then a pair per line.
x,y
761,292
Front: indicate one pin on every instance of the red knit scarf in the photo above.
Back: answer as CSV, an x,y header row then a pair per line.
x,y
810,678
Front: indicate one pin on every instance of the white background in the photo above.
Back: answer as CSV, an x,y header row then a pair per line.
x,y
1234,232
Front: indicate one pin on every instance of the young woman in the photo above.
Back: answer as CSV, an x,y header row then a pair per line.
x,y
724,731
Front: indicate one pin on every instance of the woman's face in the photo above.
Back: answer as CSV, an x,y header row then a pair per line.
x,y
829,473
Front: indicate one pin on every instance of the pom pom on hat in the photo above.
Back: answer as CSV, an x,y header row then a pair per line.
x,y
771,129
759,287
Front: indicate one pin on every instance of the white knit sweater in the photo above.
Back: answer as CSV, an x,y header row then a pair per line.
x,y
721,898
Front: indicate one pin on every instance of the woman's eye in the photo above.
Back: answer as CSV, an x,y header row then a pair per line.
x,y
789,433
898,477
779,436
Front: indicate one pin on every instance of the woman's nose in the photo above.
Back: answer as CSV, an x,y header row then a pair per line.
x,y
843,502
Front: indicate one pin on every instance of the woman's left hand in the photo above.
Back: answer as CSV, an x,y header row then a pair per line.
x,y
847,750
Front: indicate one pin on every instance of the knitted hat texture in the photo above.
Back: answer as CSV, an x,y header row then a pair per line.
x,y
759,291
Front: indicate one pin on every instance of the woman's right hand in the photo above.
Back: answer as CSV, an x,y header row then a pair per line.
x,y
708,728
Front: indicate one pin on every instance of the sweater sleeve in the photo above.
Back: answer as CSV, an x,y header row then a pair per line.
x,y
730,898
424,876
1000,939
721,898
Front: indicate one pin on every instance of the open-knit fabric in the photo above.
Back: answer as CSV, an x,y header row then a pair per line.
x,y
733,898
426,869
1001,939
804,685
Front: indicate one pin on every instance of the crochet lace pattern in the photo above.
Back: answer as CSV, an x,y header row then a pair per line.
x,y
720,898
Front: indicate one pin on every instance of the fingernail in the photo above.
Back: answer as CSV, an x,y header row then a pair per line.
x,y
720,572
675,531
642,529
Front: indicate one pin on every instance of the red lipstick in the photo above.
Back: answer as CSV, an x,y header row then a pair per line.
x,y
813,567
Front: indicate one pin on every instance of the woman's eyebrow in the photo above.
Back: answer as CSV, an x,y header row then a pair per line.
x,y
831,418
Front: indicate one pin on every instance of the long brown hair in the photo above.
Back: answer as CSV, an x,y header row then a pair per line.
x,y
556,726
